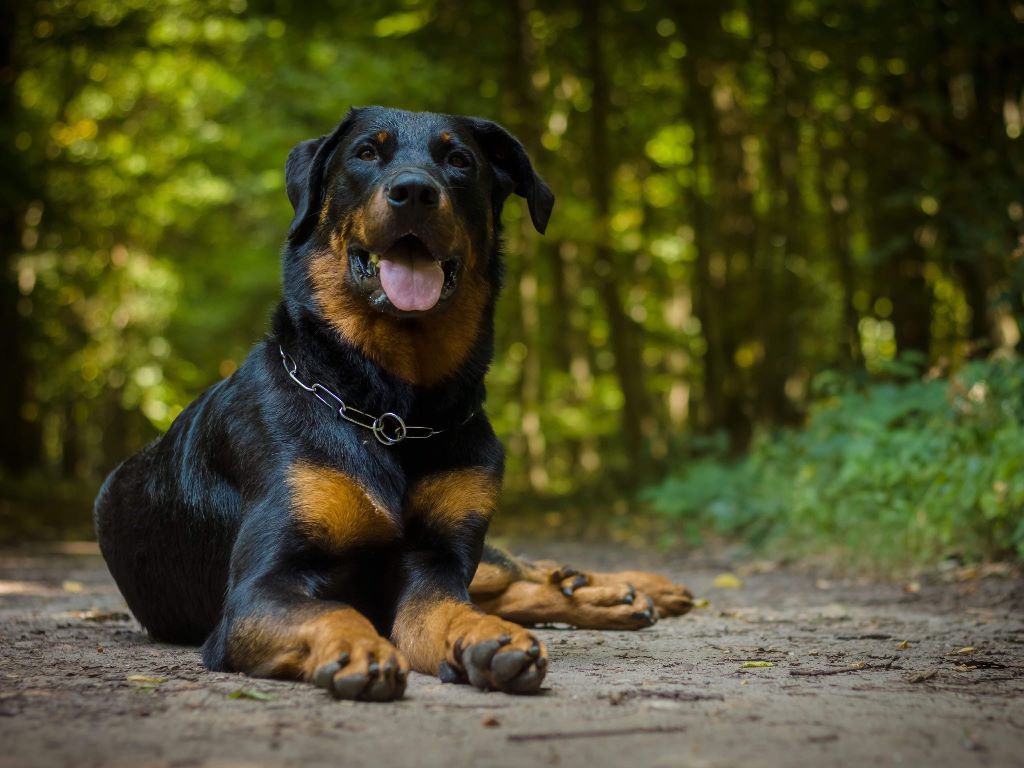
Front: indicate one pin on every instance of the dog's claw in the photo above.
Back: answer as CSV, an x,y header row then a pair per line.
x,y
563,573
379,690
480,655
324,675
507,665
446,673
350,686
528,682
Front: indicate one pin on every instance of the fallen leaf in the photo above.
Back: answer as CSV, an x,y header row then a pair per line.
x,y
903,645
920,677
146,679
967,649
72,586
727,581
106,616
250,693
144,683
491,722
968,573
756,664
702,602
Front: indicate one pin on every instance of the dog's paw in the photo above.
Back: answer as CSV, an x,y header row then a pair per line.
x,y
493,654
371,670
611,606
567,579
671,599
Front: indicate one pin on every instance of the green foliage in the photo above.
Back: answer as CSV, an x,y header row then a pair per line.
x,y
748,194
909,470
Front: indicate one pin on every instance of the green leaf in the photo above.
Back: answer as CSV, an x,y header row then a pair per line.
x,y
250,693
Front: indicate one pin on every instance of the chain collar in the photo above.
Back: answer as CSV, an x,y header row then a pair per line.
x,y
389,428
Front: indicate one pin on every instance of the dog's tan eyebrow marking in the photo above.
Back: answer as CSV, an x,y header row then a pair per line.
x,y
382,136
446,137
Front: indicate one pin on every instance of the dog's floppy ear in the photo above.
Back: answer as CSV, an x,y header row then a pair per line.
x,y
513,169
304,176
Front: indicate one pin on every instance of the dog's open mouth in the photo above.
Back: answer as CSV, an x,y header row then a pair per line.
x,y
405,277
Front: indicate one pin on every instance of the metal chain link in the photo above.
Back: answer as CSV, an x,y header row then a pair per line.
x,y
389,428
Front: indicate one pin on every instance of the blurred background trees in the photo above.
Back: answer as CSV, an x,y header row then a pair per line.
x,y
750,196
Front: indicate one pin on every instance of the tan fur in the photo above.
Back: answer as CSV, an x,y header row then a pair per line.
x,y
336,510
601,607
446,498
295,646
489,580
423,351
431,631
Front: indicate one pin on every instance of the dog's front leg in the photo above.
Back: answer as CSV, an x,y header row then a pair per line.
x,y
277,631
436,626
275,622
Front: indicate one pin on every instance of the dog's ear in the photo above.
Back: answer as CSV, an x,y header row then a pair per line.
x,y
304,175
513,169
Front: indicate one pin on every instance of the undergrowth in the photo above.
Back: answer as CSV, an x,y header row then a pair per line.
x,y
902,471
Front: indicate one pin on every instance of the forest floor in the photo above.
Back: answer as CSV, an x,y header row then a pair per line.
x,y
861,673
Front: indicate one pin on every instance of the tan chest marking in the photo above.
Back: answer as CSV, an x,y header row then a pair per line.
x,y
336,510
446,498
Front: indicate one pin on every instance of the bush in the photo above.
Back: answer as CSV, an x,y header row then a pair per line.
x,y
908,471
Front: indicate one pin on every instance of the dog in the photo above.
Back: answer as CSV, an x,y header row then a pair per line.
x,y
320,514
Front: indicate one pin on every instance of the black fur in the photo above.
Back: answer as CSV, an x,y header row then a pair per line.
x,y
196,528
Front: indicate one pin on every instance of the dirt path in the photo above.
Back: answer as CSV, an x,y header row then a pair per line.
x,y
677,694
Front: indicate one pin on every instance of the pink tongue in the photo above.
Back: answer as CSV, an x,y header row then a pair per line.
x,y
412,284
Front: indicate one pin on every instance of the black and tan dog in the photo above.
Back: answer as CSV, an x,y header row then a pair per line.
x,y
321,513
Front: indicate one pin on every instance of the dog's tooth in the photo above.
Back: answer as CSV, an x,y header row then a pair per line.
x,y
375,259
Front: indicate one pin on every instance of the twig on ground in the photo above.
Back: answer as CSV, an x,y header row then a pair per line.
x,y
618,697
861,667
558,735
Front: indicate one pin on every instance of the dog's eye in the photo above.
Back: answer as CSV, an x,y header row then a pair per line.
x,y
458,160
367,153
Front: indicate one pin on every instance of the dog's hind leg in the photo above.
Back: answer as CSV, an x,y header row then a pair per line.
x,y
541,591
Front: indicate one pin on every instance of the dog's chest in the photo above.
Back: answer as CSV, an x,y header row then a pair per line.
x,y
340,512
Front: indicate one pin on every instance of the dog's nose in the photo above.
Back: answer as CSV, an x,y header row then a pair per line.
x,y
411,190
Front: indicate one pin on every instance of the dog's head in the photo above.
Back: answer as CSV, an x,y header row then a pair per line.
x,y
397,218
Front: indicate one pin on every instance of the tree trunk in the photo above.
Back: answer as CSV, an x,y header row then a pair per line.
x,y
623,332
20,440
784,222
